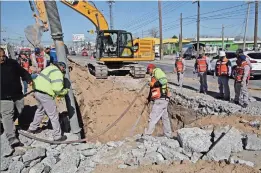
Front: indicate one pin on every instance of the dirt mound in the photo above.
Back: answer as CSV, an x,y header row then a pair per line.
x,y
200,167
101,102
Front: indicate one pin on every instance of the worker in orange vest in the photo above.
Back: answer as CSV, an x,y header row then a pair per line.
x,y
159,95
223,71
242,76
202,65
24,61
179,69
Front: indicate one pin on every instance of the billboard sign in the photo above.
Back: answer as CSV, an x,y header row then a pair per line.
x,y
78,37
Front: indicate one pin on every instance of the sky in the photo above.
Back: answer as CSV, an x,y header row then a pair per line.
x,y
139,17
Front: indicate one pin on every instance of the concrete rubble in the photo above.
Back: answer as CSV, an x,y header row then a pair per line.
x,y
207,105
190,145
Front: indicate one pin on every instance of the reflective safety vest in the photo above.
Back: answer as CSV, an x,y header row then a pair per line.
x,y
50,81
25,63
179,65
222,67
202,64
40,61
159,92
240,72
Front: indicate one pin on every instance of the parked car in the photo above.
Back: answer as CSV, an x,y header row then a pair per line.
x,y
254,57
84,53
73,53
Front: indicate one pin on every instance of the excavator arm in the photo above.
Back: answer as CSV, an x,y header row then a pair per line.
x,y
85,8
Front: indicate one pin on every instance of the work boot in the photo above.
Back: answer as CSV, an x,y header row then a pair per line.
x,y
236,102
62,138
38,130
245,105
227,99
14,142
219,97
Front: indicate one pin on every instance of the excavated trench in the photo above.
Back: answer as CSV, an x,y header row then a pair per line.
x,y
101,102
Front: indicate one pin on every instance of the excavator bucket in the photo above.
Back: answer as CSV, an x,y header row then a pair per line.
x,y
33,34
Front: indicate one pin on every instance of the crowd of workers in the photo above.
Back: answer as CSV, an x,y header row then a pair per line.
x,y
45,74
42,71
223,71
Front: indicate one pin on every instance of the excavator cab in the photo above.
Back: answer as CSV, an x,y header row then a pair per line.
x,y
114,44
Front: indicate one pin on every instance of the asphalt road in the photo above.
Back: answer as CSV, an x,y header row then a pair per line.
x,y
168,68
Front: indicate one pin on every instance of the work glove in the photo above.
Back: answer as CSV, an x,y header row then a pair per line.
x,y
175,71
151,84
243,84
194,72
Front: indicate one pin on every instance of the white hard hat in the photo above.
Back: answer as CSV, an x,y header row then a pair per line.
x,y
222,53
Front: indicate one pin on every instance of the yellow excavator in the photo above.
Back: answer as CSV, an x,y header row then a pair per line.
x,y
115,49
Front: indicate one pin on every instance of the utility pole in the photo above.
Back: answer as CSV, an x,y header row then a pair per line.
x,y
198,25
244,45
180,36
256,25
57,36
160,29
222,37
110,2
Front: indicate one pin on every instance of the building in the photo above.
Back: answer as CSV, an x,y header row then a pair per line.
x,y
213,44
170,45
249,44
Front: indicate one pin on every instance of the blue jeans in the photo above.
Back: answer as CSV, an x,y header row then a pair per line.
x,y
34,75
25,86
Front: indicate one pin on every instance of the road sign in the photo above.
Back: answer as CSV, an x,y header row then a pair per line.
x,y
78,37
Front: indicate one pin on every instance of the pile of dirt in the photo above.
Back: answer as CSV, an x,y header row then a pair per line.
x,y
200,167
101,102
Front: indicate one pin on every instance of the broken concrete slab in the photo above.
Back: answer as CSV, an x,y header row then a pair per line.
x,y
33,154
230,142
233,137
194,139
170,154
151,158
235,160
253,142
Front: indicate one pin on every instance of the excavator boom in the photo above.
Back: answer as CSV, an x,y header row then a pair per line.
x,y
113,47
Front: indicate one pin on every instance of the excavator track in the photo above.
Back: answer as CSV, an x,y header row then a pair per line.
x,y
137,71
100,71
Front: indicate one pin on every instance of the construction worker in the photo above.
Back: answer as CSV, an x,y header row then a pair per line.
x,y
179,69
53,56
201,67
223,71
241,52
11,94
47,55
242,75
39,61
47,86
24,61
159,95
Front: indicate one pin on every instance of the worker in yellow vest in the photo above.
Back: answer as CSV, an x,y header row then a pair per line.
x,y
159,95
48,85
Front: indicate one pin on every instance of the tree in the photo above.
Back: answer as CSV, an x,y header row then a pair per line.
x,y
153,32
174,36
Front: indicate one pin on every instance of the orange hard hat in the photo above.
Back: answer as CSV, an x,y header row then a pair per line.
x,y
151,66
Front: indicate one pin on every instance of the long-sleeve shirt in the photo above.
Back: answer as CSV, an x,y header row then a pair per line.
x,y
11,72
183,62
196,64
